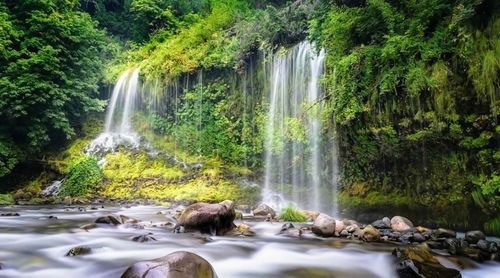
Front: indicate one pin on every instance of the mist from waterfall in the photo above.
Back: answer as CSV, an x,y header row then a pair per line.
x,y
295,169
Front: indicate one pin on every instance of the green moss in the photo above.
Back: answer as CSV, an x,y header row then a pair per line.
x,y
6,199
292,214
124,166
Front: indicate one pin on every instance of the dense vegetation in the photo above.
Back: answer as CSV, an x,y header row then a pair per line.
x,y
412,91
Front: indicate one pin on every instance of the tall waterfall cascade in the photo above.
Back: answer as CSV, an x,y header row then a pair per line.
x,y
295,149
118,128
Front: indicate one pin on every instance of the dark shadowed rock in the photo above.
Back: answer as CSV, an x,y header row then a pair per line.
x,y
418,262
9,214
487,246
384,223
444,233
289,230
473,237
264,210
79,251
324,225
401,224
209,218
143,238
175,265
113,219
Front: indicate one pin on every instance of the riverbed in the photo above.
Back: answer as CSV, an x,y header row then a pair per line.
x,y
34,244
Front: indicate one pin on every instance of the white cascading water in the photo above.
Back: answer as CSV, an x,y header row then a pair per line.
x,y
118,130
294,168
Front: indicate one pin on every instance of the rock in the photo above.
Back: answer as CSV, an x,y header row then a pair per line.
x,y
9,214
400,224
79,251
418,262
143,238
339,226
89,226
384,223
435,244
444,233
112,219
132,226
455,246
179,264
290,231
209,218
369,234
487,246
344,233
352,228
324,225
473,237
242,230
264,210
418,237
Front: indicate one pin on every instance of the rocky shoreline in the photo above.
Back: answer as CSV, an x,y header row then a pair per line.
x,y
414,248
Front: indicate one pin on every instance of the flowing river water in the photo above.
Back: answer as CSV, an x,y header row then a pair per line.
x,y
34,244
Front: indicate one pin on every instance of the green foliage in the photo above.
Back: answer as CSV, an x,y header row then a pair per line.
x,y
414,88
493,226
6,199
50,64
83,178
292,214
487,194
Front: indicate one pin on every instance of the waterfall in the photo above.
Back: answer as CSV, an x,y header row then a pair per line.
x,y
118,127
294,167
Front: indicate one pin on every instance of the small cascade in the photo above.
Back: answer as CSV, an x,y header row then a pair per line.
x,y
118,129
52,189
295,169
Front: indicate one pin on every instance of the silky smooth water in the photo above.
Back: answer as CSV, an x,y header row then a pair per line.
x,y
32,245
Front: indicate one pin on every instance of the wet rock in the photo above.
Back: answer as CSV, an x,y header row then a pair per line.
x,y
422,230
324,225
289,230
175,265
89,226
455,246
444,233
209,218
487,246
400,224
352,228
112,219
435,244
242,230
264,210
418,237
418,262
79,251
144,238
9,214
384,223
369,234
133,226
473,237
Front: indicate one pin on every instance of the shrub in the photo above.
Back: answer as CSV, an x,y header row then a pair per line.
x,y
83,177
292,214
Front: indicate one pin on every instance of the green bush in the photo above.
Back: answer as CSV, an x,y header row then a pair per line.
x,y
84,176
292,214
6,199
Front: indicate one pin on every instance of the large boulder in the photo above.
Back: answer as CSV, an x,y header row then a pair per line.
x,y
384,223
400,224
324,225
175,265
473,237
209,218
339,226
445,233
264,210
